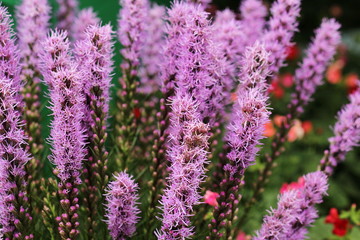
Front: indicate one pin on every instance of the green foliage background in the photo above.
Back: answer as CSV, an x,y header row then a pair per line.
x,y
301,156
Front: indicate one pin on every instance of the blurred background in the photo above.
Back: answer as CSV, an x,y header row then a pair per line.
x,y
308,139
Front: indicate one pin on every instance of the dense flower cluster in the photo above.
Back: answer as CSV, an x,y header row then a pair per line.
x,y
66,13
192,99
253,13
250,112
187,155
282,26
85,18
190,56
346,131
131,33
310,73
67,134
229,35
121,206
295,211
13,158
9,56
151,53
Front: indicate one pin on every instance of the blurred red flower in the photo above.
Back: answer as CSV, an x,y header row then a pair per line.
x,y
292,186
341,226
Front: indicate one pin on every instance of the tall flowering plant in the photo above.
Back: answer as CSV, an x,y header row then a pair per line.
x,y
169,155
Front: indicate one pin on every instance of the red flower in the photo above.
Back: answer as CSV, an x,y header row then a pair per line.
x,y
292,186
137,113
351,82
276,89
292,52
269,130
307,126
334,72
287,80
341,226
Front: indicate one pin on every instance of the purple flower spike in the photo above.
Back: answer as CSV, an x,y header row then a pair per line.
x,y
67,135
229,35
57,44
121,207
310,74
245,131
66,13
131,33
253,13
203,3
250,112
151,53
86,17
191,56
282,26
278,222
346,131
187,154
94,54
9,57
13,157
296,210
32,26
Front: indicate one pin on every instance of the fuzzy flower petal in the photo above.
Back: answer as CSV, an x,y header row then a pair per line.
x,y
187,154
86,17
121,209
253,13
131,25
346,131
192,60
66,13
282,26
151,53
311,72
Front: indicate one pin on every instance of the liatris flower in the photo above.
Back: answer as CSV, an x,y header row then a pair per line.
x,y
121,206
94,54
66,13
253,13
308,78
278,223
311,72
245,131
131,34
32,26
250,112
203,3
187,154
346,131
316,186
85,18
282,26
151,53
67,135
191,56
9,58
14,207
296,210
229,35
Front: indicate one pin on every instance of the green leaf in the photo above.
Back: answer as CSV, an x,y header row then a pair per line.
x,y
11,2
320,230
355,234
